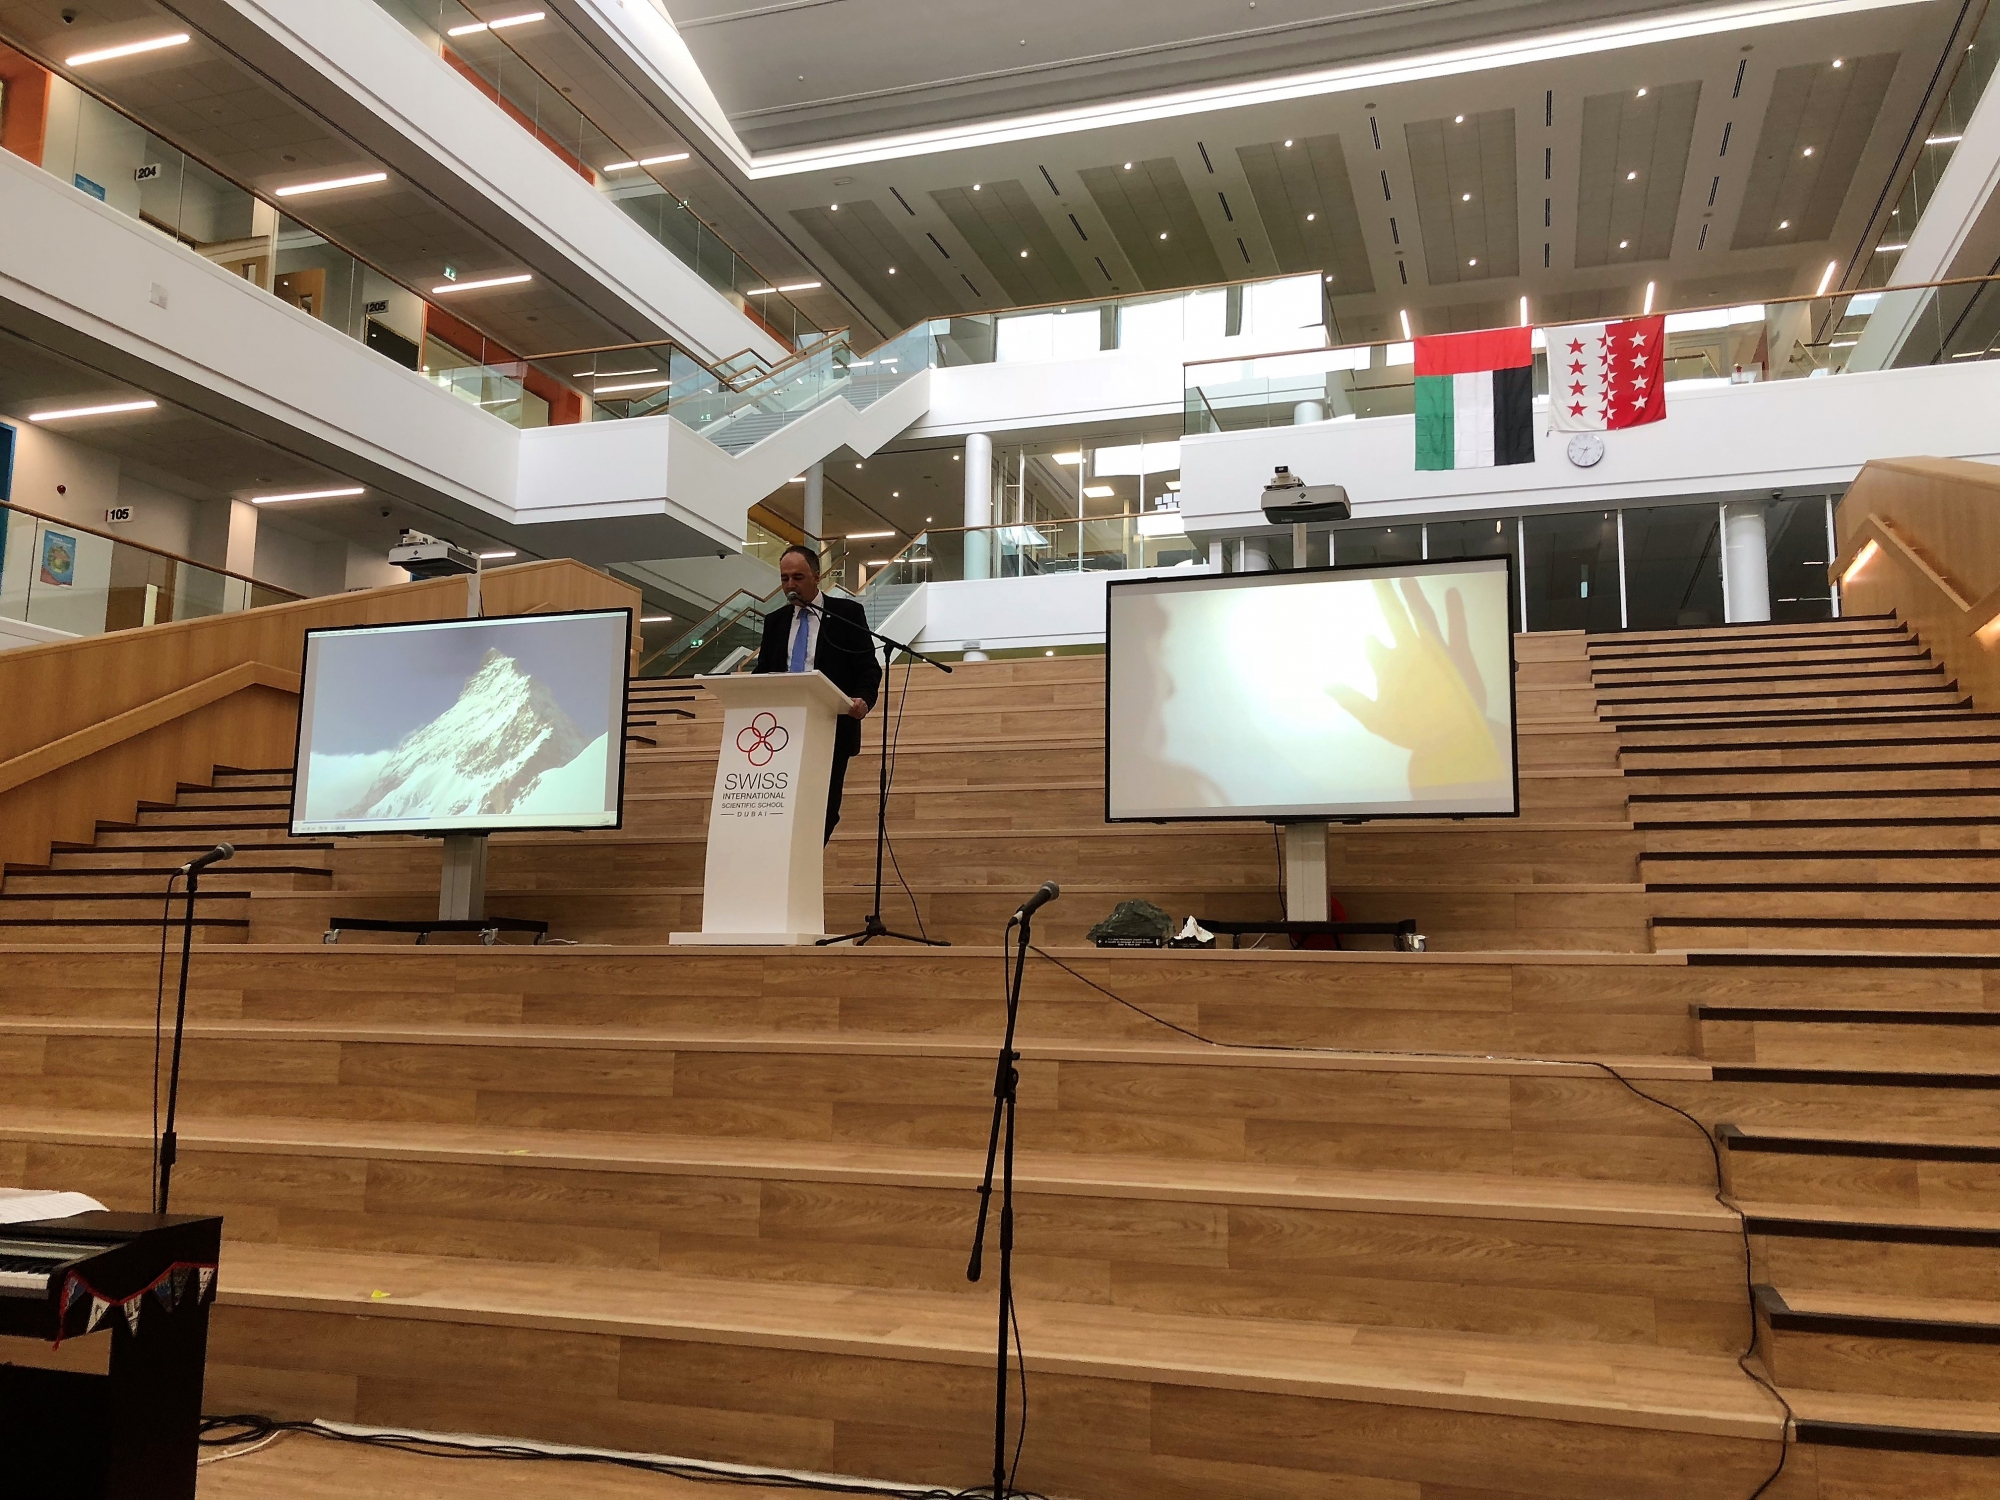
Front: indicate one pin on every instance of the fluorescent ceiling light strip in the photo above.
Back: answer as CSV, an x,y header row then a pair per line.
x,y
1943,140
1889,249
340,494
493,556
654,619
613,374
868,536
801,286
130,49
646,161
91,411
637,385
1099,491
760,291
331,183
1575,42
473,286
500,24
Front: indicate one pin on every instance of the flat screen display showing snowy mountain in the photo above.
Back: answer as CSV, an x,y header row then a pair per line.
x,y
448,725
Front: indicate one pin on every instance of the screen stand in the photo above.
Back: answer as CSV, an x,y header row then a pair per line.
x,y
1305,872
462,890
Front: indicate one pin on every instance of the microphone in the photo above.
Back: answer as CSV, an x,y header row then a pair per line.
x,y
214,856
1048,892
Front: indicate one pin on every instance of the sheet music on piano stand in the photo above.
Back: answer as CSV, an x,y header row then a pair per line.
x,y
20,1205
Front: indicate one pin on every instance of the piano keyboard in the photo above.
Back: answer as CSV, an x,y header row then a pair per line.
x,y
25,1265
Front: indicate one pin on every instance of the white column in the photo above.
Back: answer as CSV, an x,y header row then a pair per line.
x,y
240,553
1255,556
814,522
978,504
1217,557
1308,411
1746,565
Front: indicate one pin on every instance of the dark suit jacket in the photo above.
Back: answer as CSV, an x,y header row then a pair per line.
x,y
844,652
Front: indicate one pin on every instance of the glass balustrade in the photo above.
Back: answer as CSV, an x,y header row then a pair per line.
x,y
1793,338
633,173
80,581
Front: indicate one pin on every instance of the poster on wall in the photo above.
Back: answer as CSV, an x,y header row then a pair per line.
x,y
58,559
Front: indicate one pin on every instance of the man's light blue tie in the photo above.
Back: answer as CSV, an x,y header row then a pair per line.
x,y
801,641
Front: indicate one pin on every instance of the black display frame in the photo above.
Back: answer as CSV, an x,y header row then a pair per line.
x,y
1281,575
385,626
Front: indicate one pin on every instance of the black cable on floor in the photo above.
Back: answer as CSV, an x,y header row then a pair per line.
x,y
1708,1138
236,1430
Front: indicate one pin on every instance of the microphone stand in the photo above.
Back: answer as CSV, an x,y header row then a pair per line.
x,y
169,1144
1006,1087
873,926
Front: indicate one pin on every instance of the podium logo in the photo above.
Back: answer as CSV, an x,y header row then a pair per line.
x,y
761,739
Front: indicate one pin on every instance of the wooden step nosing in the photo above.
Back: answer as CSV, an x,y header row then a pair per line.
x,y
1783,1318
1725,1011
1945,1236
1852,1077
1820,887
1882,1437
1735,1138
1858,924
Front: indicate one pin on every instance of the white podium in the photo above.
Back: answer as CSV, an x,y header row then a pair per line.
x,y
766,877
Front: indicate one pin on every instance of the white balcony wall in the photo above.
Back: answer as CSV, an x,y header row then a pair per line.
x,y
1791,435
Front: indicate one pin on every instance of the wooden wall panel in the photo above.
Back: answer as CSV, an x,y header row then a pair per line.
x,y
1935,524
56,691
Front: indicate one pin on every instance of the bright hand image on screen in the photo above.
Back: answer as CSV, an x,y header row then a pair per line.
x,y
503,725
1320,695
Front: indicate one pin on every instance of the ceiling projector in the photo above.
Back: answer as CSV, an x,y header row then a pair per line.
x,y
1290,501
427,557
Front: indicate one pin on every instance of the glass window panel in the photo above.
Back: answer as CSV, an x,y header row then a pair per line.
x,y
1288,310
1795,548
1572,571
1156,323
1362,545
1673,567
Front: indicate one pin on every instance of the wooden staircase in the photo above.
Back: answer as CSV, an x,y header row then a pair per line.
x,y
718,1203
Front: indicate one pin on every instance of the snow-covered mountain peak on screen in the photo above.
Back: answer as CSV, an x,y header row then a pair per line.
x,y
505,746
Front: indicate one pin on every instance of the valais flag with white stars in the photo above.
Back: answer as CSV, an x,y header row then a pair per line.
x,y
1606,375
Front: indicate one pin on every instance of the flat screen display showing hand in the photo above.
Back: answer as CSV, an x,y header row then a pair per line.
x,y
1327,693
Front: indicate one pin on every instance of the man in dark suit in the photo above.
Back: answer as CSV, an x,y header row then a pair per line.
x,y
816,631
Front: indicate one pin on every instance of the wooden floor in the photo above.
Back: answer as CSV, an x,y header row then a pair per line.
x,y
718,1203
302,1467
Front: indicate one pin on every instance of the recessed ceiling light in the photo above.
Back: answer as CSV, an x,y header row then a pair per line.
x,y
1808,151
1784,223
895,494
857,466
473,286
91,411
1474,261
331,183
130,49
1624,244
892,270
976,186
1458,119
497,25
1288,145
1631,176
1641,94
1465,197
1311,217
833,208
1837,62
1067,458
1099,491
1128,165
347,493
1163,234
1024,255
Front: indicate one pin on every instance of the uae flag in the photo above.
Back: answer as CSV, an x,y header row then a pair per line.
x,y
1475,398
1606,375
